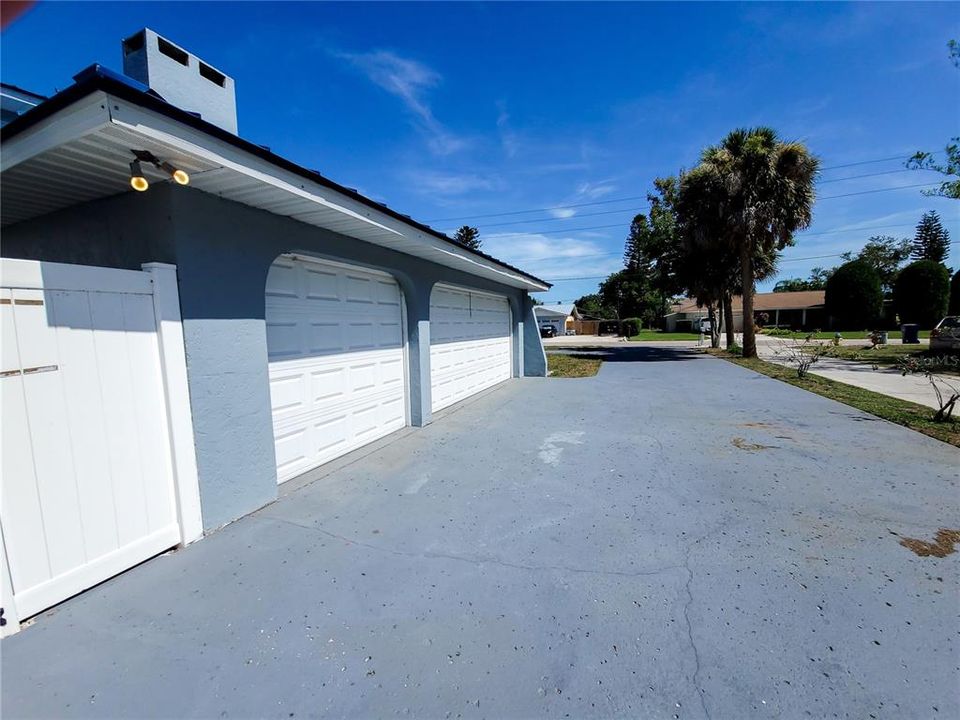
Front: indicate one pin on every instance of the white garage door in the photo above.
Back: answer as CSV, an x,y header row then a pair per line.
x,y
337,370
469,343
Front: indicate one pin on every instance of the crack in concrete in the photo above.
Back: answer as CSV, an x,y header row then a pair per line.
x,y
701,693
480,559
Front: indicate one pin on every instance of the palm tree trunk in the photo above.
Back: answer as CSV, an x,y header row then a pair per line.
x,y
714,331
746,265
728,318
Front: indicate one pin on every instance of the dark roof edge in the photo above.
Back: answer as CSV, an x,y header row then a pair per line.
x,y
97,77
15,88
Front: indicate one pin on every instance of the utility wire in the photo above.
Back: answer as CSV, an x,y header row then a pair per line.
x,y
621,225
524,261
647,207
644,197
604,277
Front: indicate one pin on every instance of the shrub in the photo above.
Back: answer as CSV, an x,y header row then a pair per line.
x,y
854,296
954,308
631,326
922,292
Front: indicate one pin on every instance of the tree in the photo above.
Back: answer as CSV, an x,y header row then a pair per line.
x,y
469,237
628,294
767,195
708,262
816,281
954,307
592,306
854,296
885,254
922,160
922,293
931,242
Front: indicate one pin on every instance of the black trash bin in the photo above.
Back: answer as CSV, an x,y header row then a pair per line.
x,y
910,334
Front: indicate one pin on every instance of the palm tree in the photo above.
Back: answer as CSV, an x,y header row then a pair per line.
x,y
764,191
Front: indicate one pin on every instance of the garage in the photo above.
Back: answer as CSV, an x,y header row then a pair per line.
x,y
335,344
469,343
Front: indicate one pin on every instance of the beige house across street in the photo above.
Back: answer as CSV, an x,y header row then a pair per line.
x,y
803,310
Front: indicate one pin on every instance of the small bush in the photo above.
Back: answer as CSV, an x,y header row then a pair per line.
x,y
922,292
631,326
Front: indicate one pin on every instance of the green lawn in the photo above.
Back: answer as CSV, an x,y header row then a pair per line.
x,y
570,366
847,334
908,414
648,335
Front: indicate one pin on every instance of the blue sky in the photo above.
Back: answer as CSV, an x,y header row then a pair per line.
x,y
451,111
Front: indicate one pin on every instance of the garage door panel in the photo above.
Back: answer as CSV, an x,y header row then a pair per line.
x,y
349,325
470,346
321,285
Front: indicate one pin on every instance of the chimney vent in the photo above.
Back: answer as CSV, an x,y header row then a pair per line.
x,y
180,78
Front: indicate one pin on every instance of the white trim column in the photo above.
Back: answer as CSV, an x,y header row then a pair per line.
x,y
166,303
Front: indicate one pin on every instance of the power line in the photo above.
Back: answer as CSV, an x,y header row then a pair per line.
x,y
643,197
621,225
604,277
868,192
523,261
647,207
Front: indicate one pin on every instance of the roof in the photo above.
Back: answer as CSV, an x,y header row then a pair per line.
x,y
97,79
764,302
21,91
558,309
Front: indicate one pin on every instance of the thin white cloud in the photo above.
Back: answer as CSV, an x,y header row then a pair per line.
x,y
562,213
410,81
552,257
595,190
509,140
442,183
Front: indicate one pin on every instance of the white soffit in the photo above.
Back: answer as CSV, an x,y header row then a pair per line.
x,y
83,153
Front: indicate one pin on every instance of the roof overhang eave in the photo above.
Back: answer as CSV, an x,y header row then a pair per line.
x,y
106,121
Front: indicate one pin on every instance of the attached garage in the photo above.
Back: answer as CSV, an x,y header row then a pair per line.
x,y
335,341
470,346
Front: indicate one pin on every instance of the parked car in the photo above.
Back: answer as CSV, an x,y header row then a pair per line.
x,y
570,332
945,337
548,331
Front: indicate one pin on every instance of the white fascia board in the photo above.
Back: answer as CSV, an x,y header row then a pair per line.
x,y
158,127
85,116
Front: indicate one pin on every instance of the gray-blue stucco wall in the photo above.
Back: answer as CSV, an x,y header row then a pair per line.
x,y
223,251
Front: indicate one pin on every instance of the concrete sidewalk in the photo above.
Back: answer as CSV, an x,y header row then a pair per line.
x,y
884,380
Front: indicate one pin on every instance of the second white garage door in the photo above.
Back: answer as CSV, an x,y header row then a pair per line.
x,y
469,343
335,344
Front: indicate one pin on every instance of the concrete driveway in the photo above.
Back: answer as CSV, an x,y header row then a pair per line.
x,y
675,538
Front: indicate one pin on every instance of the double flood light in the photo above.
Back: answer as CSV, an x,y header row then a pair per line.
x,y
138,180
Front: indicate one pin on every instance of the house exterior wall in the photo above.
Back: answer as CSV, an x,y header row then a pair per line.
x,y
223,251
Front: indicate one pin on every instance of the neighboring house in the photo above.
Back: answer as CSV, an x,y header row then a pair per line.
x,y
171,355
561,317
15,101
803,310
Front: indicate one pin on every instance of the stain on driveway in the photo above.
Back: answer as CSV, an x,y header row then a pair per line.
x,y
652,570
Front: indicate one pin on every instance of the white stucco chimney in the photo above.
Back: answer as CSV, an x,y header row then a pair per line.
x,y
182,79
